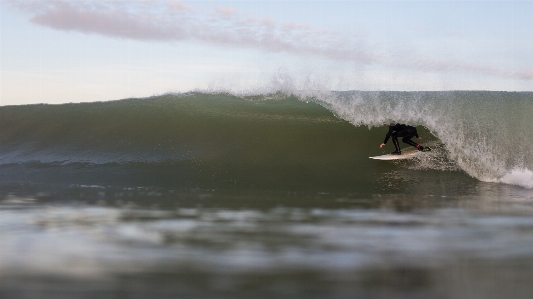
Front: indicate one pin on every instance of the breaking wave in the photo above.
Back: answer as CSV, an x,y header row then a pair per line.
x,y
272,140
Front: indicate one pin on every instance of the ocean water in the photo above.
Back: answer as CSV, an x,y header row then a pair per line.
x,y
220,195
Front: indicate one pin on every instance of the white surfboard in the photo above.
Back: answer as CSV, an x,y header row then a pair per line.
x,y
407,154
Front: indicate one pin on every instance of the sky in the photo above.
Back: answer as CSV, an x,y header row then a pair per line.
x,y
62,51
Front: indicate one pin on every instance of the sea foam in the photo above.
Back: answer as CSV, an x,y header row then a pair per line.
x,y
519,177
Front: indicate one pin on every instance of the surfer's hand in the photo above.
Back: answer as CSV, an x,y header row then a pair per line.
x,y
420,138
381,145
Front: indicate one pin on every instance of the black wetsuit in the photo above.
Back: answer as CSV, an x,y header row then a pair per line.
x,y
400,130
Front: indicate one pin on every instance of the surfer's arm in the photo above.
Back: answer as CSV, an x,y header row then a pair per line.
x,y
388,135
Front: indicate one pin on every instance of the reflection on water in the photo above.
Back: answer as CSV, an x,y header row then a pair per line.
x,y
138,242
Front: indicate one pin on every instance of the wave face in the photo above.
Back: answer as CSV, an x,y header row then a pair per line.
x,y
299,140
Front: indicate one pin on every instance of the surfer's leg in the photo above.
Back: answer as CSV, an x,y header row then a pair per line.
x,y
407,139
396,145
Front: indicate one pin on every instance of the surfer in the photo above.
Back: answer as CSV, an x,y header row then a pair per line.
x,y
405,131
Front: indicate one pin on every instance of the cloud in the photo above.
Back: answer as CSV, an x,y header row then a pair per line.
x,y
177,5
153,20
115,24
227,12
